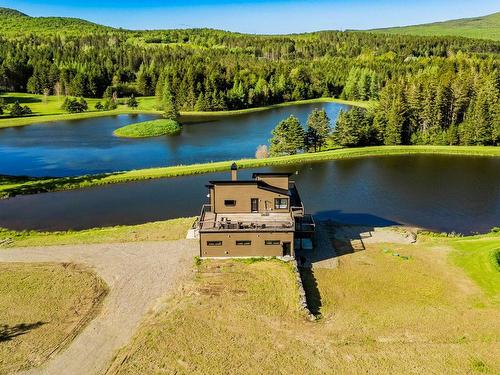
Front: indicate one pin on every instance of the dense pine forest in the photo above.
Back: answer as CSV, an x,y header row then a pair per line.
x,y
427,90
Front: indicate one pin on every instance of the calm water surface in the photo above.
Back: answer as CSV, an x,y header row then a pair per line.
x,y
443,193
77,147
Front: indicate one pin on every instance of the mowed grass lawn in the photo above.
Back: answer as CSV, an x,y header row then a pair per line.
x,y
167,230
381,314
42,308
40,105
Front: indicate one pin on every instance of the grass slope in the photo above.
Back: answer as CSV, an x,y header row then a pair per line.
x,y
43,307
167,230
486,27
11,186
153,128
480,258
379,312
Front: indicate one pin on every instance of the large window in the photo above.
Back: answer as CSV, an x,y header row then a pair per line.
x,y
230,202
243,243
214,243
280,203
272,242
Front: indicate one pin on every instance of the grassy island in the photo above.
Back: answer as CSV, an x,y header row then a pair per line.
x,y
153,128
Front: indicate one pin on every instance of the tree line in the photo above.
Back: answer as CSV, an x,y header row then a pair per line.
x,y
431,107
430,89
215,70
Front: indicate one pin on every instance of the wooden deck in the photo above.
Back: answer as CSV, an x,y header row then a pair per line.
x,y
247,221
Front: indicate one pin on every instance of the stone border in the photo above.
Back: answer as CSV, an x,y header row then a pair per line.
x,y
302,293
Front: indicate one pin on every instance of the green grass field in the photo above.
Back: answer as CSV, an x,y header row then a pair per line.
x,y
380,312
480,258
48,109
167,230
42,308
487,27
153,128
11,186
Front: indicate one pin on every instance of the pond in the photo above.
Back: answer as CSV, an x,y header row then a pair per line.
x,y
442,193
78,147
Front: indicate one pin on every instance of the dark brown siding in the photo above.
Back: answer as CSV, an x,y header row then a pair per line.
x,y
257,247
242,194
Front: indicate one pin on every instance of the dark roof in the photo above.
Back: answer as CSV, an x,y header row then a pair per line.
x,y
230,182
260,185
234,167
277,174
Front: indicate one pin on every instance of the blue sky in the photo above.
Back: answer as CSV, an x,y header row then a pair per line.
x,y
257,16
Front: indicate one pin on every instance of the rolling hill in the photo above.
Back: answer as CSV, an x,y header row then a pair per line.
x,y
485,27
14,22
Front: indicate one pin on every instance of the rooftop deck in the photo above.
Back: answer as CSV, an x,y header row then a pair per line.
x,y
272,221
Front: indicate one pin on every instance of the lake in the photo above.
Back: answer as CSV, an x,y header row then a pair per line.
x,y
442,193
77,147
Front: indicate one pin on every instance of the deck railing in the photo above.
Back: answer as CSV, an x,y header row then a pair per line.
x,y
206,223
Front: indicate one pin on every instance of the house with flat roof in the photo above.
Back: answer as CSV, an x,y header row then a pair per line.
x,y
263,216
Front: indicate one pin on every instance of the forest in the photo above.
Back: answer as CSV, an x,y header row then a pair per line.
x,y
428,90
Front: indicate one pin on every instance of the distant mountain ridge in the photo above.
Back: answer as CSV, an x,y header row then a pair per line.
x,y
14,22
11,12
485,27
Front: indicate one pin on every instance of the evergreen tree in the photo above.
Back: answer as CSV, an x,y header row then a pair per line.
x,y
168,103
354,128
318,129
288,137
132,102
393,134
200,105
73,105
17,110
98,106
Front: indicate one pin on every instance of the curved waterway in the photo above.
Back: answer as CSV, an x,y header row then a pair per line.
x,y
442,193
78,147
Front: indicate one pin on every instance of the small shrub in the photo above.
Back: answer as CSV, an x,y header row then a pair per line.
x,y
17,110
98,106
132,102
478,366
110,104
73,105
262,152
197,261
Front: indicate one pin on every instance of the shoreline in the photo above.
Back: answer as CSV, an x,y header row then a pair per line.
x,y
185,117
171,230
11,186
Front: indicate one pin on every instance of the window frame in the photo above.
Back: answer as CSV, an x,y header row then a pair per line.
x,y
272,242
279,206
214,243
229,202
243,243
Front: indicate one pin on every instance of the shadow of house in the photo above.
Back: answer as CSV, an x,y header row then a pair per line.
x,y
337,234
313,296
8,333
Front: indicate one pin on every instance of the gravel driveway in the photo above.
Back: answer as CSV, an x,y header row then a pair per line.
x,y
138,275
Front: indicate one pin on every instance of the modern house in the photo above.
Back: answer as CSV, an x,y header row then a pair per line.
x,y
263,216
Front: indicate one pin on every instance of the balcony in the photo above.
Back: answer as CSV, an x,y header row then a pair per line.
x,y
272,221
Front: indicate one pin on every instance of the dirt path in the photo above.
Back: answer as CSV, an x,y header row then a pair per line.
x,y
137,274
